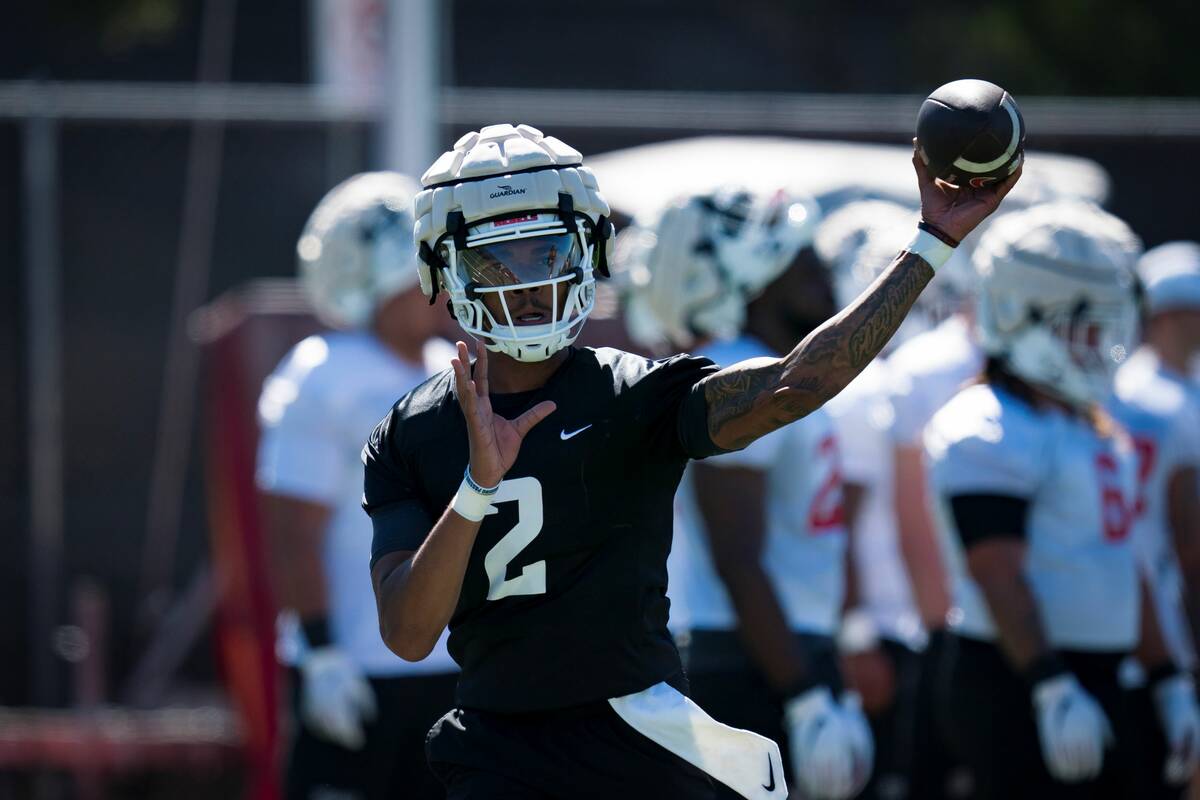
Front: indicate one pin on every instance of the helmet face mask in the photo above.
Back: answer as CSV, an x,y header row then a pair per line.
x,y
509,264
1056,301
1073,352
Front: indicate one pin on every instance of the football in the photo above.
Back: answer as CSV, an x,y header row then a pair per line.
x,y
970,132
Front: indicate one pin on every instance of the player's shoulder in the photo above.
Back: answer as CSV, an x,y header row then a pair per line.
x,y
1141,383
425,413
940,349
627,370
987,440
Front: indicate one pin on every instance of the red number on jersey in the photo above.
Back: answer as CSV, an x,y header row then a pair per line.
x,y
1114,510
826,513
1147,453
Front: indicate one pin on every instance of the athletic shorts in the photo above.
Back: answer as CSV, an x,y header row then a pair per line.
x,y
582,752
990,717
1153,753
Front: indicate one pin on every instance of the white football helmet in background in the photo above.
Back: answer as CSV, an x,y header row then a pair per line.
x,y
1056,297
507,210
356,249
690,273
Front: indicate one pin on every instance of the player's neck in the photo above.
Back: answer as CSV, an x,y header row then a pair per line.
x,y
506,375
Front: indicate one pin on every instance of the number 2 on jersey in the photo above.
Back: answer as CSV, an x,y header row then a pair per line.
x,y
527,494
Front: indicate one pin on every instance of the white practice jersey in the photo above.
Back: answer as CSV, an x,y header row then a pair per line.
x,y
926,371
1160,411
316,411
805,540
1080,563
862,415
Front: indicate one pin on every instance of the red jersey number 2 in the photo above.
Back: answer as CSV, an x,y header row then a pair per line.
x,y
826,513
1116,512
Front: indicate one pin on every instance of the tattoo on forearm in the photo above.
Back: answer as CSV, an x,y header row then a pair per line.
x,y
750,400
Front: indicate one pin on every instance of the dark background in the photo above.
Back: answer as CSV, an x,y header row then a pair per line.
x,y
121,184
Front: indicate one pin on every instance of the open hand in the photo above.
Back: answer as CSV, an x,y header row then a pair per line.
x,y
958,211
495,441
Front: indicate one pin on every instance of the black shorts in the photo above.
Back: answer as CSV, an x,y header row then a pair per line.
x,y
392,762
990,717
1152,755
726,684
582,752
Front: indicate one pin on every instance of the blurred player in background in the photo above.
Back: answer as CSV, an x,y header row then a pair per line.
x,y
1033,487
360,712
1158,406
881,635
760,573
924,372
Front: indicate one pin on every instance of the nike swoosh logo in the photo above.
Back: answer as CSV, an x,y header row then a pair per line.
x,y
564,435
771,772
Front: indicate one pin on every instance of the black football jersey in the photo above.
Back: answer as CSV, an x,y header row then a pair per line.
x,y
564,599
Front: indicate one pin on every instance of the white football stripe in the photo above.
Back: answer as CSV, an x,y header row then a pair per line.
x,y
976,166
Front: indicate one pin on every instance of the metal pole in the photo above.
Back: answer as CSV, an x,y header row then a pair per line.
x,y
45,434
172,444
412,86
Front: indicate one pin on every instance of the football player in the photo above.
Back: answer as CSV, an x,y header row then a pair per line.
x,y
760,572
1033,487
1158,406
360,713
543,542
924,372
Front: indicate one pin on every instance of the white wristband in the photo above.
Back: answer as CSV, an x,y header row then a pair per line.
x,y
470,504
931,249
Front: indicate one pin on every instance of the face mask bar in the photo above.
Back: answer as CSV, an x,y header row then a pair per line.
x,y
523,342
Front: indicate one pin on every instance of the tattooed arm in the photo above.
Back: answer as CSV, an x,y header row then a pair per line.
x,y
753,398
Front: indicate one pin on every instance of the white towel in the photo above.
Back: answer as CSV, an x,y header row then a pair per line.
x,y
744,761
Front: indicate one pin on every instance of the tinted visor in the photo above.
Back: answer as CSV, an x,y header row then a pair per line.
x,y
521,261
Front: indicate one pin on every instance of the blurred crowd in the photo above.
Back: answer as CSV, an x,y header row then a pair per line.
x,y
974,573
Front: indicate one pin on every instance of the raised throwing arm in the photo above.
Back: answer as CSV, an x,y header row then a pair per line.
x,y
753,398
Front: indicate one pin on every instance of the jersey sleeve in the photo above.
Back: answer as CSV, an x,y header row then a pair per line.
x,y
671,397
301,452
399,518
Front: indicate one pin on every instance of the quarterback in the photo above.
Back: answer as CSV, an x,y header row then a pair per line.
x,y
525,499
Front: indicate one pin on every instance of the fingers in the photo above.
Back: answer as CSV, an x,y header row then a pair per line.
x,y
923,176
1005,186
481,369
462,379
524,423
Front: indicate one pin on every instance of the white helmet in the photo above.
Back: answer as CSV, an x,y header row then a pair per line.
x,y
692,271
1170,274
860,239
509,209
1056,299
356,249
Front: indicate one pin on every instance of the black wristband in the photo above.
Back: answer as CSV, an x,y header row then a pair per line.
x,y
1158,674
938,233
1045,666
316,632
